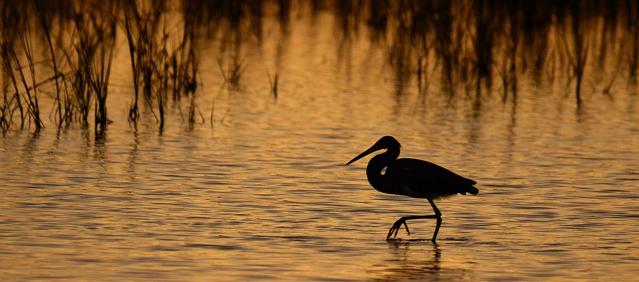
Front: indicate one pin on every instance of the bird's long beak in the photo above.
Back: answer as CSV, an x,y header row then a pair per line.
x,y
370,150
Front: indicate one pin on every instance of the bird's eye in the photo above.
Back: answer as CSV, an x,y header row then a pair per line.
x,y
383,170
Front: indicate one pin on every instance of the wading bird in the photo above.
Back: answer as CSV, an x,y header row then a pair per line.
x,y
413,178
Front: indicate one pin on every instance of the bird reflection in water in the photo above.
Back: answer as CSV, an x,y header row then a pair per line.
x,y
416,260
407,263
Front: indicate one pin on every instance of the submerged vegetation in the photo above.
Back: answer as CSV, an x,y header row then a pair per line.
x,y
63,50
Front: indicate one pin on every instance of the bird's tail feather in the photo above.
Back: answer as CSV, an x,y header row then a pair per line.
x,y
472,190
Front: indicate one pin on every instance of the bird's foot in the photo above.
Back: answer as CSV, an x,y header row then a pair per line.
x,y
395,228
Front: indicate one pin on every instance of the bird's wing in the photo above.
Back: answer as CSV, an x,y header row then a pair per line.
x,y
420,176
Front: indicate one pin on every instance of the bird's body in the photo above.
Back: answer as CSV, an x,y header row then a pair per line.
x,y
412,177
418,179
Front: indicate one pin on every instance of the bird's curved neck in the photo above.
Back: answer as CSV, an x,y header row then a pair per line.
x,y
375,167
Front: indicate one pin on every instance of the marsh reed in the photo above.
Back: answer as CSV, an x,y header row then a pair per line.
x,y
164,63
19,75
474,48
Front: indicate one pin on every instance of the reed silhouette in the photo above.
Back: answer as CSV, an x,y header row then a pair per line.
x,y
20,69
468,46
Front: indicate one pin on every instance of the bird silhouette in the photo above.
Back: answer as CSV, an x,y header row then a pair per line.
x,y
413,178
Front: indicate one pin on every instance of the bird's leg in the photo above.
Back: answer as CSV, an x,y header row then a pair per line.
x,y
438,215
393,230
398,224
406,225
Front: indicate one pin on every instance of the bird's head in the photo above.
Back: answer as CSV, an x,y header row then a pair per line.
x,y
385,142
